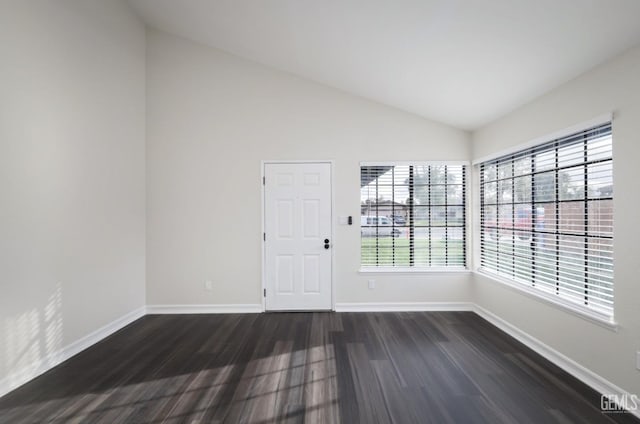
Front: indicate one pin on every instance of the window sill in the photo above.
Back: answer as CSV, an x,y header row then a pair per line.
x,y
567,306
412,271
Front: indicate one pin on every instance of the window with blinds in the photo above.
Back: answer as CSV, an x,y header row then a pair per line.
x,y
547,218
413,215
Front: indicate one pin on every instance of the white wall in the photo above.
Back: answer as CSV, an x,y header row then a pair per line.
x,y
612,87
211,119
72,176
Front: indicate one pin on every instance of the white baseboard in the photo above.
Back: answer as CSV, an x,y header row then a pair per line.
x,y
590,378
248,308
404,306
21,376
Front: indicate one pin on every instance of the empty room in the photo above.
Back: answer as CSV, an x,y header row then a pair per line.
x,y
242,211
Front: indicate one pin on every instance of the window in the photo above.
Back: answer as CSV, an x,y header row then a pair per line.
x,y
547,218
412,215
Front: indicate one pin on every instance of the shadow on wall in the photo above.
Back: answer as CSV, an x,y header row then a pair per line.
x,y
33,340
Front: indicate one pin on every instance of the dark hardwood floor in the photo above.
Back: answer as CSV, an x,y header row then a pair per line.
x,y
435,367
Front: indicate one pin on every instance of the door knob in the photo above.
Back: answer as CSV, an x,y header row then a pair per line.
x,y
326,243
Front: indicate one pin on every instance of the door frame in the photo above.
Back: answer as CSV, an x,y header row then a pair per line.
x,y
263,164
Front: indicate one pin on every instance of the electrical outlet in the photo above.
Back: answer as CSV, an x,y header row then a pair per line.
x,y
208,285
372,284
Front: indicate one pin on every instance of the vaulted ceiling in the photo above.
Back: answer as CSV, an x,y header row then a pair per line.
x,y
460,62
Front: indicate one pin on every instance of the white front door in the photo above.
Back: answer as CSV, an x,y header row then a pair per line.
x,y
297,200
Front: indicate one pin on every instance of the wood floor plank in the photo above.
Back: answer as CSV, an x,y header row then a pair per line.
x,y
369,398
321,367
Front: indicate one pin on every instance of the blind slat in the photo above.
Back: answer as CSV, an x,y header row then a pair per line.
x,y
546,217
413,215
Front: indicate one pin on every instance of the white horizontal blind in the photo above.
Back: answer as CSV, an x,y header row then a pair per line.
x,y
413,215
547,218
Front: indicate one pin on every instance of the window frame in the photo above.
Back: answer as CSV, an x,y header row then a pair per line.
x,y
549,143
418,269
